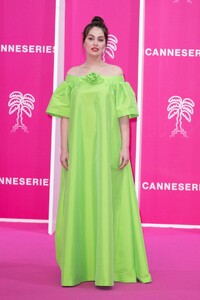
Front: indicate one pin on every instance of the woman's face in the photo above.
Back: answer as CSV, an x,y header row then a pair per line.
x,y
95,41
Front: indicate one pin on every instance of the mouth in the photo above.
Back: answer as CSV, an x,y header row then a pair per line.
x,y
95,49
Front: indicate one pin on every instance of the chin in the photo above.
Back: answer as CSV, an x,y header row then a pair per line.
x,y
96,54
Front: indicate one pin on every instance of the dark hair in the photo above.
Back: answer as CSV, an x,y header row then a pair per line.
x,y
96,22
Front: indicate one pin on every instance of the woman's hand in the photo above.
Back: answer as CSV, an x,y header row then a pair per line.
x,y
124,158
125,130
64,157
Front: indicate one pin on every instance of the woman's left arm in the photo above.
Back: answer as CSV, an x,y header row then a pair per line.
x,y
125,136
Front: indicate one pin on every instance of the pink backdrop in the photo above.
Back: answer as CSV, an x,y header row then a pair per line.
x,y
170,142
26,67
122,20
170,185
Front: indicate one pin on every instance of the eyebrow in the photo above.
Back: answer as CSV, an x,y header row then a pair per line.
x,y
101,36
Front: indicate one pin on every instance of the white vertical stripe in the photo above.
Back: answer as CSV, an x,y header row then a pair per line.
x,y
58,77
140,99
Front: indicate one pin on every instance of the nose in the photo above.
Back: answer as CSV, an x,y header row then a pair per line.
x,y
95,42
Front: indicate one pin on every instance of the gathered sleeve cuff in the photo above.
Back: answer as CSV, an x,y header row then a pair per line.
x,y
125,100
59,105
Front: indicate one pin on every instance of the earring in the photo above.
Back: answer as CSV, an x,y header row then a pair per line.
x,y
104,54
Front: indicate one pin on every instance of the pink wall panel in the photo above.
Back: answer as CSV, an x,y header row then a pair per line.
x,y
122,20
170,185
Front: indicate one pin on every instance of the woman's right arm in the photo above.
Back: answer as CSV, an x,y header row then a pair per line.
x,y
64,156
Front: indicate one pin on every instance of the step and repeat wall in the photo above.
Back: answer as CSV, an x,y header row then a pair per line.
x,y
170,181
169,186
26,83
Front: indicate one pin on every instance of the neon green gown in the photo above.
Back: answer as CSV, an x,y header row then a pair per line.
x,y
98,231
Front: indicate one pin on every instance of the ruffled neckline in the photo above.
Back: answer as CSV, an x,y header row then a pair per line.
x,y
95,78
96,74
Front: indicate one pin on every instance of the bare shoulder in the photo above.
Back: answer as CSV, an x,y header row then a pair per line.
x,y
114,70
75,71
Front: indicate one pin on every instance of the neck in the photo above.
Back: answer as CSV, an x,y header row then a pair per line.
x,y
93,62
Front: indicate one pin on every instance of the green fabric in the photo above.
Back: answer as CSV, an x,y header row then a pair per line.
x,y
98,232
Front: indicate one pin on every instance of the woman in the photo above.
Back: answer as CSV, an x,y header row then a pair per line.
x,y
98,231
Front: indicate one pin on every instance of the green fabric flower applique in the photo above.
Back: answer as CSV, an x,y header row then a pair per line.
x,y
93,78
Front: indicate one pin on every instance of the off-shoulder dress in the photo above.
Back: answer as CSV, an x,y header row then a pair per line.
x,y
98,231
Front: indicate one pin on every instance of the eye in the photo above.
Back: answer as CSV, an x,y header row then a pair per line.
x,y
101,40
90,38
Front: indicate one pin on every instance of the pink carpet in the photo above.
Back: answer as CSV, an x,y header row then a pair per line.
x,y
28,269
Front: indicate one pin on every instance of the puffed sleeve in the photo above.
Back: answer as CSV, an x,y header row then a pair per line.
x,y
59,105
125,100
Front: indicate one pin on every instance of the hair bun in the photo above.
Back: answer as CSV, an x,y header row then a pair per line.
x,y
97,20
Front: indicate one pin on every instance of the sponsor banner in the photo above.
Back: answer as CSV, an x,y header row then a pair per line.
x,y
122,48
26,80
7,48
170,182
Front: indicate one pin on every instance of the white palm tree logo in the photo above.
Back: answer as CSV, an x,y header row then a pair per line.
x,y
21,104
181,108
111,46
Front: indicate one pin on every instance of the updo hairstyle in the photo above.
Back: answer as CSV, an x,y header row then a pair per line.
x,y
96,22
